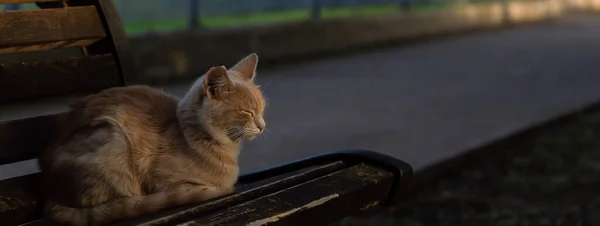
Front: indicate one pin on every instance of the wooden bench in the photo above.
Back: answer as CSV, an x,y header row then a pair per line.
x,y
77,47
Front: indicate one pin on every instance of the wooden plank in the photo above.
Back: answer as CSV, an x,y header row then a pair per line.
x,y
19,57
293,198
25,1
116,41
32,30
24,139
26,204
20,200
245,192
19,81
339,194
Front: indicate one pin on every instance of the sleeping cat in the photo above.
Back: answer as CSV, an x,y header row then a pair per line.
x,y
134,150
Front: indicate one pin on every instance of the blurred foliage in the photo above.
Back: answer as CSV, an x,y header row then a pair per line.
x,y
167,15
280,16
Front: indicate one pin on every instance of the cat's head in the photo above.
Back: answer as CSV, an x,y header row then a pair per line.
x,y
233,105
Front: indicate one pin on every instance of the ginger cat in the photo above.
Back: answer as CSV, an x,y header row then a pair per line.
x,y
129,151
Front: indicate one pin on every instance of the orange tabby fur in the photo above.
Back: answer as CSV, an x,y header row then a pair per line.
x,y
133,150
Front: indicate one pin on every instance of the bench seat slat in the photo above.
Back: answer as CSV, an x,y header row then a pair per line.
x,y
245,192
19,200
20,81
338,195
24,139
35,64
297,193
33,30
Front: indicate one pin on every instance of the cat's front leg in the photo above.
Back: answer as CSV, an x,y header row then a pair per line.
x,y
136,206
189,193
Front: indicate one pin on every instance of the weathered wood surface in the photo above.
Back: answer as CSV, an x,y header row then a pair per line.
x,y
33,30
25,1
297,197
24,207
116,41
90,23
315,202
245,192
19,200
19,81
24,139
19,57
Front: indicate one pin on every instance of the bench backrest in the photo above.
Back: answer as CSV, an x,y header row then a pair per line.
x,y
32,66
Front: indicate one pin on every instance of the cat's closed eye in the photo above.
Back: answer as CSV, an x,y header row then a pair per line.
x,y
251,113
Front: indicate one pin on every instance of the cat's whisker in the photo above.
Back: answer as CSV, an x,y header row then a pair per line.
x,y
266,136
236,135
262,137
267,130
219,134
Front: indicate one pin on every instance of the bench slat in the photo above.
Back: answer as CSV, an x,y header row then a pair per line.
x,y
19,200
245,192
20,81
24,139
340,183
33,30
339,194
24,203
116,40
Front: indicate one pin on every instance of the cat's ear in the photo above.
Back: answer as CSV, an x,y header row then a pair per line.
x,y
247,67
216,82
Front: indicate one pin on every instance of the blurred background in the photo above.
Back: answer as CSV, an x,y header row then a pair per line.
x,y
426,81
141,16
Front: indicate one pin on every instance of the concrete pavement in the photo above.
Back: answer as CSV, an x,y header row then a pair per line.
x,y
422,103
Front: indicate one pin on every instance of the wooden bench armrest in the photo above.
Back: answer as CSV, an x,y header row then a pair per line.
x,y
312,191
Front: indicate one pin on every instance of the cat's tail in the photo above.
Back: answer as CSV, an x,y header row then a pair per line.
x,y
130,207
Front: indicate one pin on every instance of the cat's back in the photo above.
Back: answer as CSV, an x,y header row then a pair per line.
x,y
138,101
87,138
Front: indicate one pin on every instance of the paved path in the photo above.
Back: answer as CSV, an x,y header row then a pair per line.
x,y
426,102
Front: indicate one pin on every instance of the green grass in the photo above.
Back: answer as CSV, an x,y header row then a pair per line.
x,y
428,6
222,21
375,10
279,17
255,18
139,27
271,17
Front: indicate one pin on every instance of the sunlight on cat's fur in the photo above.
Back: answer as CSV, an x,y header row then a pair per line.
x,y
133,150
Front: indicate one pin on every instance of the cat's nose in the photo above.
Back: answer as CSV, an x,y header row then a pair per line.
x,y
261,124
261,127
